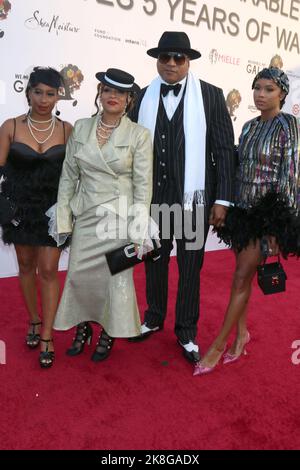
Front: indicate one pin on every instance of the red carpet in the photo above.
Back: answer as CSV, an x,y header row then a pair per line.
x,y
144,395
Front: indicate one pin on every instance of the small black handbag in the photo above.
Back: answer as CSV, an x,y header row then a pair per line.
x,y
125,257
8,210
271,277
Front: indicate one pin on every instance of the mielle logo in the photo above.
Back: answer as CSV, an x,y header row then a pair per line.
x,y
2,352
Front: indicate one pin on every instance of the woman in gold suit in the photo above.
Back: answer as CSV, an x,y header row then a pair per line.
x,y
106,176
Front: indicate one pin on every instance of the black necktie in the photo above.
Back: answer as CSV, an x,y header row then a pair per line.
x,y
164,89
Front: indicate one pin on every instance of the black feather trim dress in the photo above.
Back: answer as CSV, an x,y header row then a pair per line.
x,y
267,192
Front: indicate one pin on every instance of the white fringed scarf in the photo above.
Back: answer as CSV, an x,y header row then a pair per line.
x,y
194,124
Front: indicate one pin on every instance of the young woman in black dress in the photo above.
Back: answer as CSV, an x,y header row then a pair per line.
x,y
32,150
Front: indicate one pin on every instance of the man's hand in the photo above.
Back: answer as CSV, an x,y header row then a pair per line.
x,y
217,215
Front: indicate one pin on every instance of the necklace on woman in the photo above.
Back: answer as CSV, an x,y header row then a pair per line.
x,y
104,131
40,122
32,128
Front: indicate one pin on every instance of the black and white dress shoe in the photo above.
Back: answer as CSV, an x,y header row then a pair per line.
x,y
190,351
146,331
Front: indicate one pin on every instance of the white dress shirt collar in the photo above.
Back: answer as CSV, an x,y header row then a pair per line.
x,y
171,101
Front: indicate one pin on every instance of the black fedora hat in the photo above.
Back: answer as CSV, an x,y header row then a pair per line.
x,y
118,79
174,41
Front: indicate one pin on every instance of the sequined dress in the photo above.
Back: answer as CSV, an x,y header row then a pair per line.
x,y
267,194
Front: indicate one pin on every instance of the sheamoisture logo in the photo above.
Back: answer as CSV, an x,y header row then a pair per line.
x,y
53,25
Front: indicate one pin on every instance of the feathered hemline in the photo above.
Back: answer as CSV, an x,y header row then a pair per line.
x,y
270,216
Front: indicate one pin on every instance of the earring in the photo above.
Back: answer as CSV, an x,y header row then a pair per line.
x,y
57,112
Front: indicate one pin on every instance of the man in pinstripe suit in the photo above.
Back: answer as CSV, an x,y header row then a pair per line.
x,y
193,167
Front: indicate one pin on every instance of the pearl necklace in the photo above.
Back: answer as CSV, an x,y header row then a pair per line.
x,y
107,125
40,122
36,128
31,128
104,131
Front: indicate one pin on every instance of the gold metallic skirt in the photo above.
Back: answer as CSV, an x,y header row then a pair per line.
x,y
91,293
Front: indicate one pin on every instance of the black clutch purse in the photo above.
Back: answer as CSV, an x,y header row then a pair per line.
x,y
271,277
125,257
8,210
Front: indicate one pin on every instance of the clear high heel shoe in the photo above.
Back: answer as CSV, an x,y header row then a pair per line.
x,y
228,357
200,369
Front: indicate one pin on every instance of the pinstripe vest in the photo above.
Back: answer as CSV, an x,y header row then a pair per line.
x,y
169,159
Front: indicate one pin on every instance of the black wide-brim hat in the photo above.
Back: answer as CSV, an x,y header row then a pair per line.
x,y
118,79
174,41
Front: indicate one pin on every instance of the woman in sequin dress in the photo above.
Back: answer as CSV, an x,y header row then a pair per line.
x,y
266,205
107,170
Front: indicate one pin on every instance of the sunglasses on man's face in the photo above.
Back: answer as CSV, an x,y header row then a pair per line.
x,y
178,58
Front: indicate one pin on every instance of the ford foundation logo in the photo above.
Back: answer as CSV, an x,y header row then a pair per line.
x,y
5,7
233,100
73,78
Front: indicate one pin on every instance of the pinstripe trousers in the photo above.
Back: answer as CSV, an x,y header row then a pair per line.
x,y
189,266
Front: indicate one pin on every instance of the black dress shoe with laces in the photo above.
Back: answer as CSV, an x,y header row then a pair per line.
x,y
191,356
143,336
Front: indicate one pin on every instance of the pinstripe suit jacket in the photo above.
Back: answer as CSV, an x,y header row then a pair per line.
x,y
220,161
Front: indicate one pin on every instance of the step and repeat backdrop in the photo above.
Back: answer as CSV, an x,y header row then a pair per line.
x,y
81,37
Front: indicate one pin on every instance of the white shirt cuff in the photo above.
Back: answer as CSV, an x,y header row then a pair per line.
x,y
223,203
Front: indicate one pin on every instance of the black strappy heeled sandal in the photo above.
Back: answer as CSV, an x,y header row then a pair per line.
x,y
103,347
46,357
84,334
33,338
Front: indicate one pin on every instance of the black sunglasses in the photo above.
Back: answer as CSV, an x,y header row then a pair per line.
x,y
178,58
